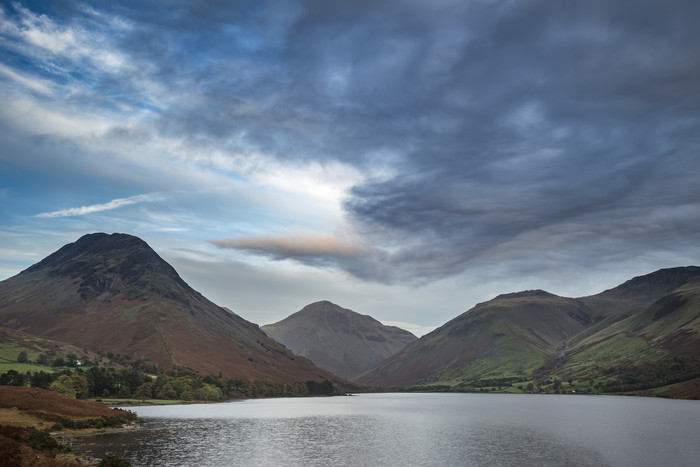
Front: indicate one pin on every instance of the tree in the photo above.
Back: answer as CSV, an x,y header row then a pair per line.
x,y
145,391
100,382
167,392
187,394
71,360
41,379
22,357
124,392
79,383
63,386
209,392
323,388
240,384
13,378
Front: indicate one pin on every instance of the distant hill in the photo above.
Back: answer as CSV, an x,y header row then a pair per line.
x,y
537,336
113,293
337,339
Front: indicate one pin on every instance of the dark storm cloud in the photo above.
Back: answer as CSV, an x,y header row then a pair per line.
x,y
524,130
574,134
534,132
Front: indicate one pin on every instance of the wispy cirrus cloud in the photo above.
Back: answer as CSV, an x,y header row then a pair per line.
x,y
108,206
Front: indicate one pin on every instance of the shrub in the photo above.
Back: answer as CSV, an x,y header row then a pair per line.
x,y
41,440
56,427
114,461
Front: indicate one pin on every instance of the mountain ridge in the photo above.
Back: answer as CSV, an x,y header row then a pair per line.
x,y
523,335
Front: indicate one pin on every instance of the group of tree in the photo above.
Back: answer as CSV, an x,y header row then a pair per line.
x,y
651,374
141,379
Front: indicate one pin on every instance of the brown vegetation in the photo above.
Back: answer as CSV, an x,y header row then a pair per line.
x,y
16,449
23,410
53,407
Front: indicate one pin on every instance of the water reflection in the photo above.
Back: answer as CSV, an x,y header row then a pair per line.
x,y
416,429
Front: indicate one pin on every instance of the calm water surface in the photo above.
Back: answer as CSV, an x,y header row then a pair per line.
x,y
414,430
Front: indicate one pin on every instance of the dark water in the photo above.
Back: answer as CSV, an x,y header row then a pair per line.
x,y
414,430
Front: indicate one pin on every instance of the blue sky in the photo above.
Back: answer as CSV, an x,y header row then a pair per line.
x,y
404,159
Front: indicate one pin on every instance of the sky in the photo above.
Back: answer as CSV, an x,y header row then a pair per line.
x,y
402,158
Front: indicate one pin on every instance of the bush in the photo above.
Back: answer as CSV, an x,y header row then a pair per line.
x,y
114,461
41,440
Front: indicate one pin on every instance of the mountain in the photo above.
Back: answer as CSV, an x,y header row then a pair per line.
x,y
337,339
511,335
113,293
668,327
538,336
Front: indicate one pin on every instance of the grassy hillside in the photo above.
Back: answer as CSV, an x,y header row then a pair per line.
x,y
640,336
509,337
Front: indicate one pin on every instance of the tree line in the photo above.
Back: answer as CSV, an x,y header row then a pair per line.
x,y
651,374
141,379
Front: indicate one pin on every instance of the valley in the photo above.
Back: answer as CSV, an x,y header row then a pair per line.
x,y
108,303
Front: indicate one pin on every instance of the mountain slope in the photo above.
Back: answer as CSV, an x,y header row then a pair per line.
x,y
337,339
508,337
113,293
668,327
633,297
531,335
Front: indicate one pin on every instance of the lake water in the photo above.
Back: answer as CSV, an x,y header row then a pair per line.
x,y
414,430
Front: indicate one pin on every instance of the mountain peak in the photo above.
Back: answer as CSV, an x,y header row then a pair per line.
x,y
118,264
324,307
525,293
90,244
338,339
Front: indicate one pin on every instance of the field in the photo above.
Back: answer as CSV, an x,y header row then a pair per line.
x,y
123,402
23,367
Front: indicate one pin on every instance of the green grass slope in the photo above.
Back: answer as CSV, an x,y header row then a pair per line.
x,y
641,335
510,337
670,327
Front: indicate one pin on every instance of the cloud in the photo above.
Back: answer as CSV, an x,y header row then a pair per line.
x,y
453,135
114,204
305,247
541,132
33,84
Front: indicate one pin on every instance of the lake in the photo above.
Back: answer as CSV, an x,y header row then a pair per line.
x,y
414,430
